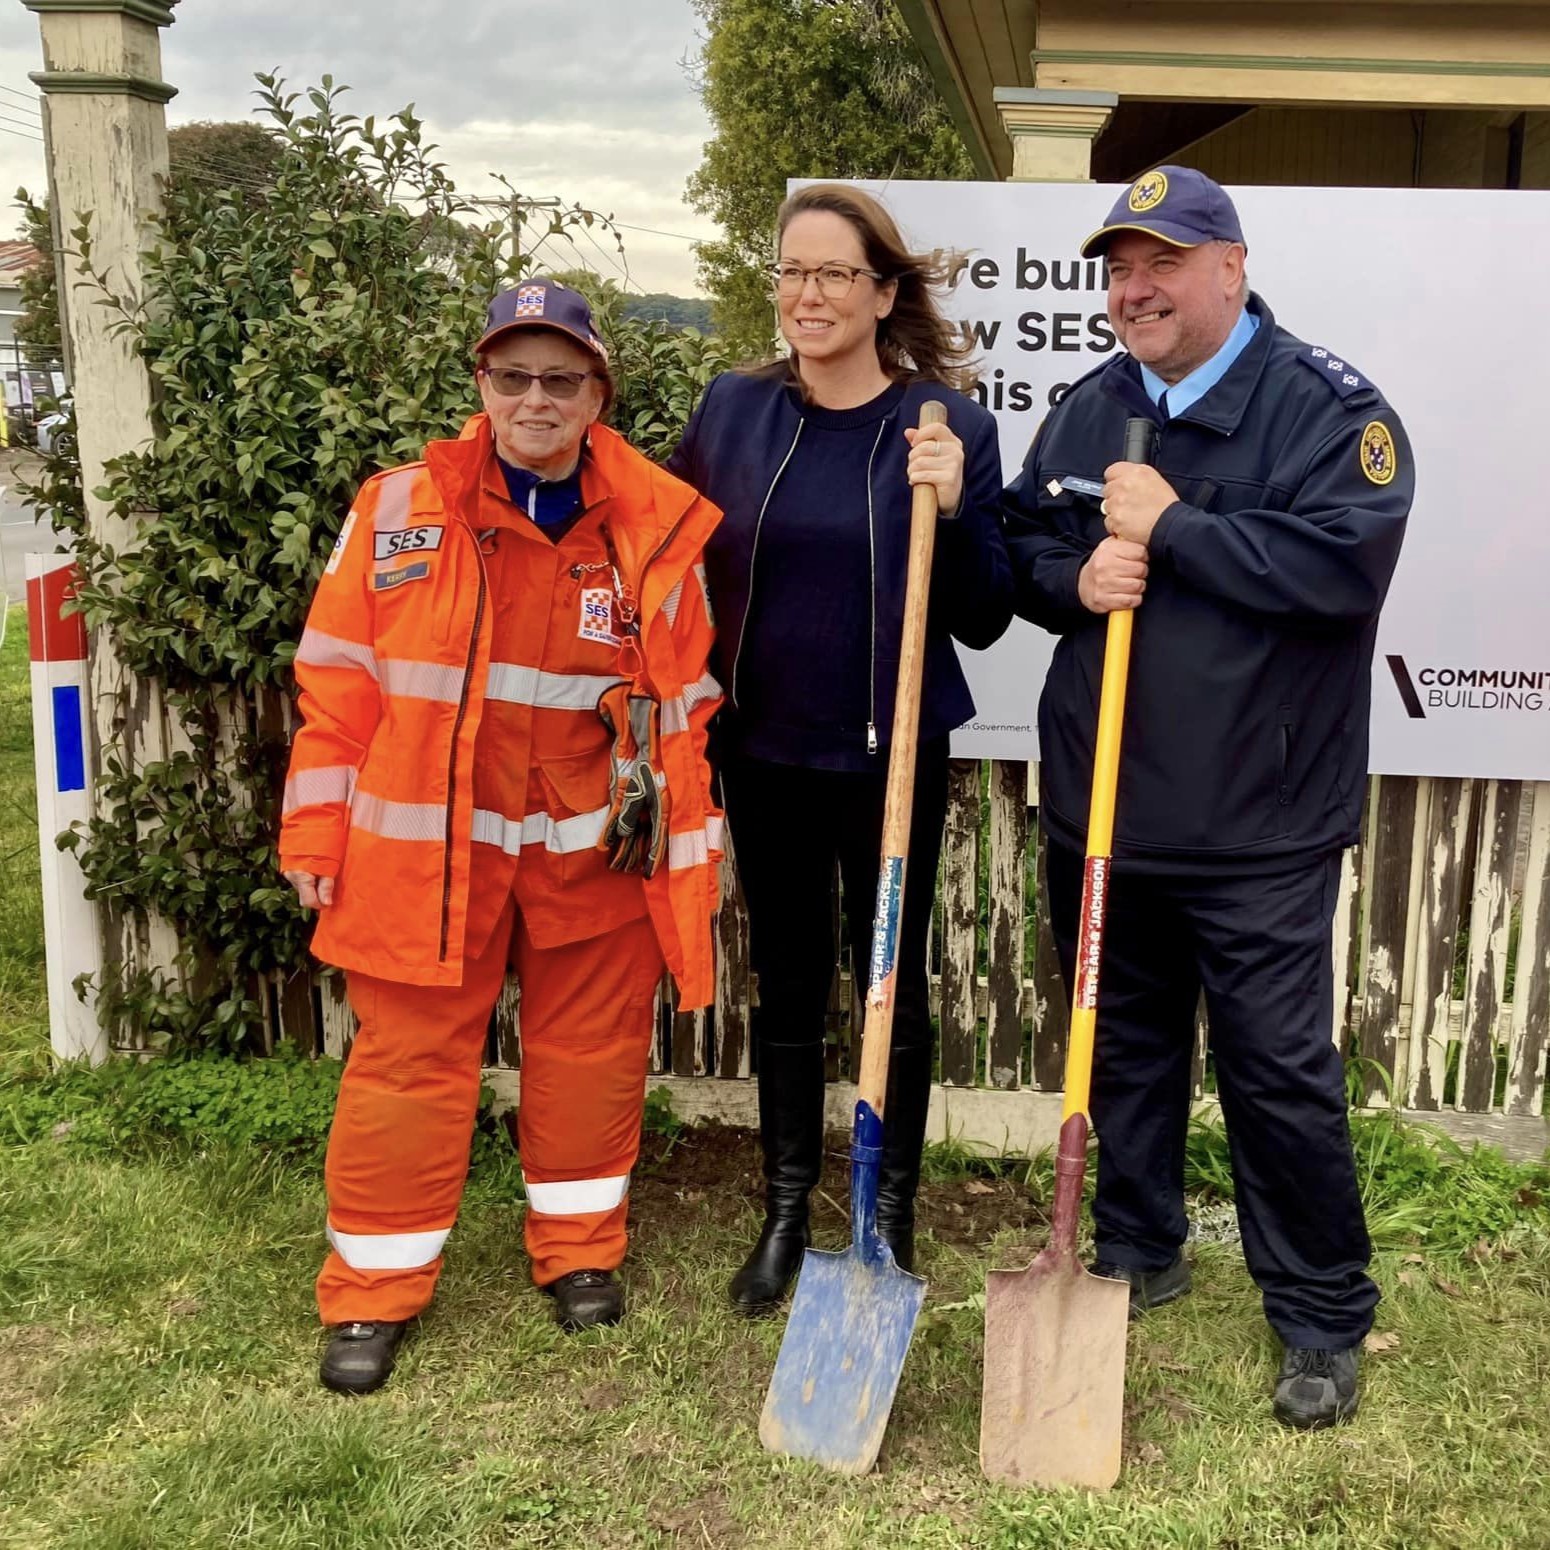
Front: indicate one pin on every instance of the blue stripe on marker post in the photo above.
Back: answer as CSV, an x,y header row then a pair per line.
x,y
69,749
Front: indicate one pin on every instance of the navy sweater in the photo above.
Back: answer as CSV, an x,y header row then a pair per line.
x,y
807,574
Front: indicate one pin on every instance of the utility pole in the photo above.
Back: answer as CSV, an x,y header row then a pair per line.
x,y
516,207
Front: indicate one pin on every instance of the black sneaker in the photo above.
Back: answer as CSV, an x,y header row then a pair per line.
x,y
586,1297
359,1357
1148,1288
1316,1388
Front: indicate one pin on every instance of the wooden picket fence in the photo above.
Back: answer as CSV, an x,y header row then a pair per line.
x,y
1442,959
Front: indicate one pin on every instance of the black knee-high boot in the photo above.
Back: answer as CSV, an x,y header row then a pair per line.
x,y
904,1134
791,1088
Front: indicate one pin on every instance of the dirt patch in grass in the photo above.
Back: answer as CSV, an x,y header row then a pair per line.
x,y
27,1371
717,1169
705,1521
24,1351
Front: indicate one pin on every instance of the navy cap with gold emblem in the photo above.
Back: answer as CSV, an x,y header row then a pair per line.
x,y
1177,204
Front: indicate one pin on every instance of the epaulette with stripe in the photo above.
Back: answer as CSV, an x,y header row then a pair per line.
x,y
1338,372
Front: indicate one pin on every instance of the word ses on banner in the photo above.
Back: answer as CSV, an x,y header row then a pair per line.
x,y
1052,328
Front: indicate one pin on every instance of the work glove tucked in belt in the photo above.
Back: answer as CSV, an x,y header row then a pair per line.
x,y
635,835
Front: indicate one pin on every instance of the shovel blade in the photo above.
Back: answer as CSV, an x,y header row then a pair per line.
x,y
1054,1396
852,1319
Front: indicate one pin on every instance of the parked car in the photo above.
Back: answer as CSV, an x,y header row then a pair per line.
x,y
52,424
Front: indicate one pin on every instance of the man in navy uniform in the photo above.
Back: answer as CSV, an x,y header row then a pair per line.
x,y
1258,550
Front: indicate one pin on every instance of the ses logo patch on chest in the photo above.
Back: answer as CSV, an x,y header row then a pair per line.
x,y
386,580
409,540
597,616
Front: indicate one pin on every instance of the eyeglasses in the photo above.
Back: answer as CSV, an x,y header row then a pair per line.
x,y
509,382
834,280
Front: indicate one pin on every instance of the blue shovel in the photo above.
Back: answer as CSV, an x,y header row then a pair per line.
x,y
853,1313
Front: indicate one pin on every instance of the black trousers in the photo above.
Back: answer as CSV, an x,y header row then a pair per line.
x,y
789,826
1260,948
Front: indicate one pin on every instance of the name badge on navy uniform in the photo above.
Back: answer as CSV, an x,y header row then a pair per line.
x,y
1075,486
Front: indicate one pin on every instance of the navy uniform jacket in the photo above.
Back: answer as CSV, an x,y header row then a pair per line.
x,y
1245,738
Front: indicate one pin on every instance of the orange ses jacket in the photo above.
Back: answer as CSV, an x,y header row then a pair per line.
x,y
380,791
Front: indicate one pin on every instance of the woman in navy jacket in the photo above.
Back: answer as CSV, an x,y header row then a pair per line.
x,y
812,460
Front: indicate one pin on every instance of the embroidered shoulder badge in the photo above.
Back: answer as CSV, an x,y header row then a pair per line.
x,y
1341,375
1147,192
1379,461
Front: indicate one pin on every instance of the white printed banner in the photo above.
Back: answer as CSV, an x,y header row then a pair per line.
x,y
1430,293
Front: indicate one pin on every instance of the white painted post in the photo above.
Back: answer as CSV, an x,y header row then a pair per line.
x,y
105,129
71,934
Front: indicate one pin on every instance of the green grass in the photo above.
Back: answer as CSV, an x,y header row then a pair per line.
x,y
23,996
158,1344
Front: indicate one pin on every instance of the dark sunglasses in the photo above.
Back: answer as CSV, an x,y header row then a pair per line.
x,y
509,382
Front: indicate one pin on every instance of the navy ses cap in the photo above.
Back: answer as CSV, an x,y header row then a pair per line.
x,y
1178,204
542,303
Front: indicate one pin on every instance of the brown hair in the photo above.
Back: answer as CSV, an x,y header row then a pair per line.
x,y
914,340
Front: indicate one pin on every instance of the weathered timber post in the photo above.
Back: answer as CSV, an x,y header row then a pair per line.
x,y
105,130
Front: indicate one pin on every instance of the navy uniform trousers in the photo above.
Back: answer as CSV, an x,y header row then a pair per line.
x,y
1259,947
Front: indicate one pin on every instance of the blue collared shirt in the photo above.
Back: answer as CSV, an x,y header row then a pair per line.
x,y
1191,389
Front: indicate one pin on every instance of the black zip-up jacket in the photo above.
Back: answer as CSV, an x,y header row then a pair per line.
x,y
738,445
1245,739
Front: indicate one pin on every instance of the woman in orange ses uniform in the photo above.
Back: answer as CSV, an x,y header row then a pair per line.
x,y
504,694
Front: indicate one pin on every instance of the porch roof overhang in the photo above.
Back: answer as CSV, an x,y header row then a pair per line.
x,y
1167,60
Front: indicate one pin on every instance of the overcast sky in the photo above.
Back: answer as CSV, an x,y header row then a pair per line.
x,y
589,101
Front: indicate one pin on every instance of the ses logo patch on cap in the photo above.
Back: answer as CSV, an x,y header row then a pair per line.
x,y
1148,192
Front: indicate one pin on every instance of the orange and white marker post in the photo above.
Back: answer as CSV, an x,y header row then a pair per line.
x,y
60,738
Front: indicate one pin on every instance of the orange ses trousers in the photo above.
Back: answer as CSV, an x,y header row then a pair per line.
x,y
398,1151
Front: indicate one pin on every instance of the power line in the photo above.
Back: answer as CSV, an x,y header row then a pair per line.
x,y
30,98
622,268
19,135
652,230
21,122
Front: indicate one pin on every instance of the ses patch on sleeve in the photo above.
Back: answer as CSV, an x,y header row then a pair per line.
x,y
1380,460
340,545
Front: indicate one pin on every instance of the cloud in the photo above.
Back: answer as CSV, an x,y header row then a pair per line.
x,y
588,102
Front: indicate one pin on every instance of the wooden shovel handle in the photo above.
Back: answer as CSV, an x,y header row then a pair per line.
x,y
873,1086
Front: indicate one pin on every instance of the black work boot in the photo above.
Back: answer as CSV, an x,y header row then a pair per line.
x,y
791,1134
1315,1387
1148,1288
359,1356
586,1297
904,1135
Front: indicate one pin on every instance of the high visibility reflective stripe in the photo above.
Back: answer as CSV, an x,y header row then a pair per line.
x,y
398,820
392,510
422,680
513,684
388,1250
575,1197
675,712
331,783
671,601
687,850
703,688
693,846
319,649
714,826
563,836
